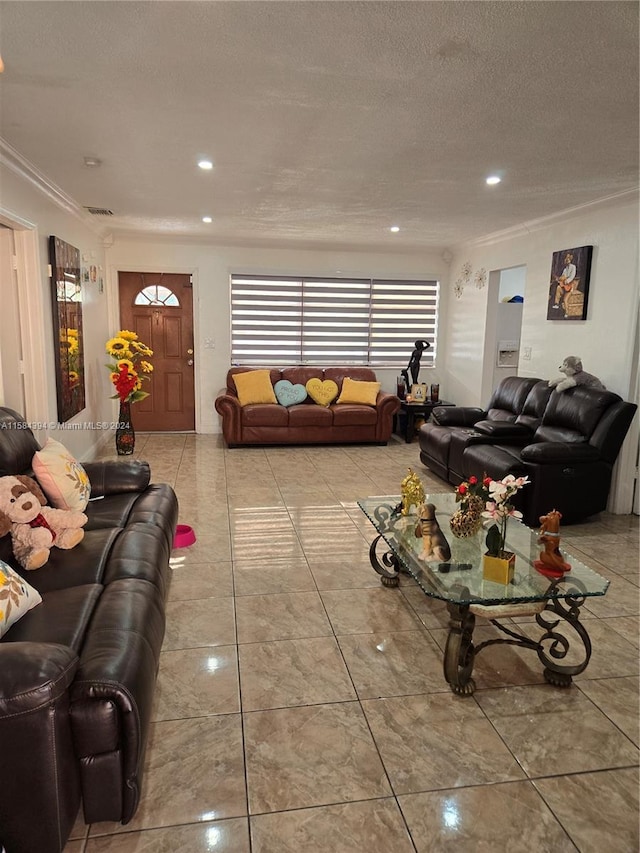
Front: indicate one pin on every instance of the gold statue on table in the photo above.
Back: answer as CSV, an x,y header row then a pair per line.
x,y
412,492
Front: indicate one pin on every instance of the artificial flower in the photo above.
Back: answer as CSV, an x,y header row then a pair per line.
x,y
118,347
498,509
124,373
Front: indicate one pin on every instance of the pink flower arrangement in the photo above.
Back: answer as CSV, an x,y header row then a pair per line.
x,y
499,510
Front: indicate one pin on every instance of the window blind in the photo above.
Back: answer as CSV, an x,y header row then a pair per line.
x,y
305,320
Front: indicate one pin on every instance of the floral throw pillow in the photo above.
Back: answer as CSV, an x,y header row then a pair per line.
x,y
16,597
61,477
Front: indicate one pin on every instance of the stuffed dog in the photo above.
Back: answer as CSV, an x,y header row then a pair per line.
x,y
574,375
35,528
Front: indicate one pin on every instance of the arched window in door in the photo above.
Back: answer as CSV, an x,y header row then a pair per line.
x,y
157,294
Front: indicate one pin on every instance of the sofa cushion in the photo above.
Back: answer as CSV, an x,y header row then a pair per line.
x,y
265,414
254,386
288,394
17,446
83,564
61,477
62,617
310,416
577,410
322,391
509,397
356,391
345,414
17,597
109,511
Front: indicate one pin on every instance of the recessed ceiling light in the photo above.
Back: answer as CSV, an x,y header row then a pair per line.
x,y
207,219
92,162
205,164
394,228
493,179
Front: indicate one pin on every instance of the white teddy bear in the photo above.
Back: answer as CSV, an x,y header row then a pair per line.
x,y
574,375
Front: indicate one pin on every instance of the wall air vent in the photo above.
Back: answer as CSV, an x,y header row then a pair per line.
x,y
99,211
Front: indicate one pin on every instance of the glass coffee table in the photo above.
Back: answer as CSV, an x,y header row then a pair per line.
x,y
564,648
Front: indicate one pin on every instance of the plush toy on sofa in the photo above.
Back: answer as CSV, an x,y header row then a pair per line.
x,y
34,527
574,375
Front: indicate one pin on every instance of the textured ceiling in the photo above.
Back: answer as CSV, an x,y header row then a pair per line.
x,y
327,121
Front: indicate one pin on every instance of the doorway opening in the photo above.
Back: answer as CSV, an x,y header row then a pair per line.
x,y
503,326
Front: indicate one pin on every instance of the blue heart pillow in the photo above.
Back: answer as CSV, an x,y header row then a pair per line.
x,y
288,394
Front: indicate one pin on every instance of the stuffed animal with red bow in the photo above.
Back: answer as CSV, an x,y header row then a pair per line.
x,y
35,528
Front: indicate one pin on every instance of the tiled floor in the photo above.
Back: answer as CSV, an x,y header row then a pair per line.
x,y
301,706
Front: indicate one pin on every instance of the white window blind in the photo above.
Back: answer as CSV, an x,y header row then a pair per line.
x,y
302,320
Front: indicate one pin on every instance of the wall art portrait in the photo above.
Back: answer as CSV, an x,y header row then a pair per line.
x,y
569,287
66,292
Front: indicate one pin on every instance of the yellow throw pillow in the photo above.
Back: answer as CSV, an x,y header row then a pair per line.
x,y
355,391
322,393
254,386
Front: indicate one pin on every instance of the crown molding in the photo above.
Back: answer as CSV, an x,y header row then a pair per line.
x,y
26,170
522,229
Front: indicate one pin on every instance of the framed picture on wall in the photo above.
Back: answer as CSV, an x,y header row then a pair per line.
x,y
569,286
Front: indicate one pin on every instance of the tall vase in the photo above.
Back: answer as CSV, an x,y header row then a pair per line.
x,y
125,435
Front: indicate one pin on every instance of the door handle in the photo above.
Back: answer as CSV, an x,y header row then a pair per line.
x,y
189,352
190,362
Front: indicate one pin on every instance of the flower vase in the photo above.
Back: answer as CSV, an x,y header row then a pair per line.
x,y
125,435
499,569
467,521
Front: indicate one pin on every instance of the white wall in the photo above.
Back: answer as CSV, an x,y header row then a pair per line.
x,y
23,201
606,340
211,267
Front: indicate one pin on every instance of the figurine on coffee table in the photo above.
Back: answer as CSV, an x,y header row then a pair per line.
x,y
551,562
412,492
435,548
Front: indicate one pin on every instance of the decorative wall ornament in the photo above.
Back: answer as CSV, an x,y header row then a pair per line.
x,y
458,288
480,278
465,272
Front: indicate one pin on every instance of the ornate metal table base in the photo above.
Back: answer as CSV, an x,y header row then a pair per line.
x,y
389,562
459,655
552,647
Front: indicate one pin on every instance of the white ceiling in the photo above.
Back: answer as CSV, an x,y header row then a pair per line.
x,y
327,121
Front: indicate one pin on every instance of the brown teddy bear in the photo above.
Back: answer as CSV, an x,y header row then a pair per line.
x,y
35,528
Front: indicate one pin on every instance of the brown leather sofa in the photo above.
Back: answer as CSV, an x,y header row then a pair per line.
x,y
307,422
78,671
566,443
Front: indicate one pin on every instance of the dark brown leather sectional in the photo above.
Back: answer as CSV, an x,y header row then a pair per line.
x,y
307,422
78,671
566,443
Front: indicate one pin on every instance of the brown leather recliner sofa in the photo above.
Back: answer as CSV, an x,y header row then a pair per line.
x,y
78,671
566,443
307,422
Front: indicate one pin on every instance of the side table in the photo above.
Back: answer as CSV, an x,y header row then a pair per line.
x,y
412,410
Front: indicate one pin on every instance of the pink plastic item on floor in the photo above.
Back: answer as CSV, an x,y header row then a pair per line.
x,y
184,536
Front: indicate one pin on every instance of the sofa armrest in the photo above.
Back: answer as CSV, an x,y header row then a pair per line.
x,y
229,408
457,415
33,675
111,477
559,453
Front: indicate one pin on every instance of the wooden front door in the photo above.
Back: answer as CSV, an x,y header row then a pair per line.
x,y
158,307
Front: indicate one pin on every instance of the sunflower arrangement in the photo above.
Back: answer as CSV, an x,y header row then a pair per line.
x,y
130,366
